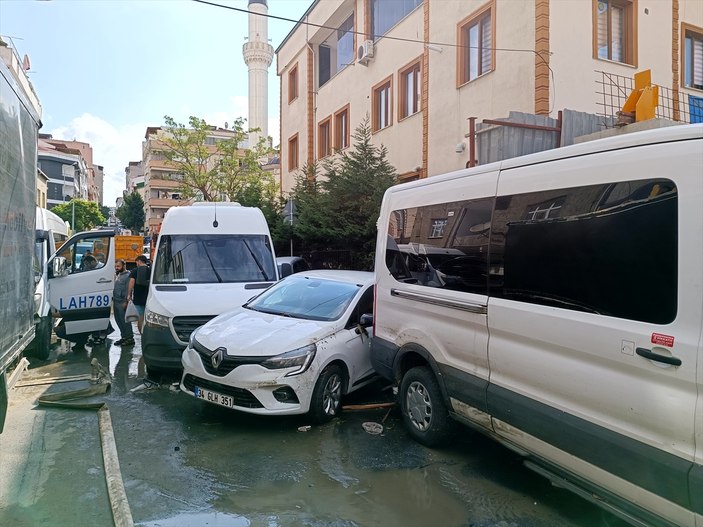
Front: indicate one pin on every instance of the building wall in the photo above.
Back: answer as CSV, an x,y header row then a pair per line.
x,y
519,81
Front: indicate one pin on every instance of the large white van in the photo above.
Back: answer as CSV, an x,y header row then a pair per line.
x,y
51,233
210,257
570,327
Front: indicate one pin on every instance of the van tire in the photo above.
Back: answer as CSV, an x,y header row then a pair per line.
x,y
422,405
40,346
326,401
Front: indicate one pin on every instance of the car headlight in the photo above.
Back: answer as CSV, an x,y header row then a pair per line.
x,y
301,357
155,319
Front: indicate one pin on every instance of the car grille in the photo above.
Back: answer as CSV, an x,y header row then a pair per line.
x,y
184,326
241,396
229,362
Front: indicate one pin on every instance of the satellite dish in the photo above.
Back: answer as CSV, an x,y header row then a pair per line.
x,y
25,63
226,125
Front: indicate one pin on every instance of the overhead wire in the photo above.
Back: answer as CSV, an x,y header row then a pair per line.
x,y
386,37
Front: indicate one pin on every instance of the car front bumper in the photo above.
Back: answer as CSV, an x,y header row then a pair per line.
x,y
252,387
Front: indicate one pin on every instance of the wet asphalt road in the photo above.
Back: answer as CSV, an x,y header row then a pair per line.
x,y
187,463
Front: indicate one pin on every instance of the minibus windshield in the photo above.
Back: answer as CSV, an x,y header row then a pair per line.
x,y
213,258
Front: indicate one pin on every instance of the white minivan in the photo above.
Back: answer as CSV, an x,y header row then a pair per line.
x,y
568,320
210,258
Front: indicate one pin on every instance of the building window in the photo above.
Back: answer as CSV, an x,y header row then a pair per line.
x,y
293,84
615,30
410,89
382,114
324,144
341,129
387,13
293,153
693,57
336,52
476,36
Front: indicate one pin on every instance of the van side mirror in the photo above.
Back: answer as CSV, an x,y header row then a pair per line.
x,y
286,270
366,320
58,267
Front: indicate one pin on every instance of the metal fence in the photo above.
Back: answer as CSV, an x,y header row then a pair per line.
x,y
613,90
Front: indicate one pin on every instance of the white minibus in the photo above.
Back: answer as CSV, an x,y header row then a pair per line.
x,y
209,258
564,317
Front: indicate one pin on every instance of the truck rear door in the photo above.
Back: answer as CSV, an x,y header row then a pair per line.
x,y
81,275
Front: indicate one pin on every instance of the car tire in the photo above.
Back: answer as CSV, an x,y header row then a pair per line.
x,y
40,346
422,405
326,401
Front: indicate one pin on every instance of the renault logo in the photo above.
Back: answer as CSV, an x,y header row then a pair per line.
x,y
218,357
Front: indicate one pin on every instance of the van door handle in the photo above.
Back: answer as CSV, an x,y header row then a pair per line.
x,y
104,281
648,354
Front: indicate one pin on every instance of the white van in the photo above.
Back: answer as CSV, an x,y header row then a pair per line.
x,y
210,257
51,233
570,327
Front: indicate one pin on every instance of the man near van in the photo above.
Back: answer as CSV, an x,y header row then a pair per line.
x,y
119,297
139,287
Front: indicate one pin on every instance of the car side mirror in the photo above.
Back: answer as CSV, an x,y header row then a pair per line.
x,y
366,320
286,270
58,267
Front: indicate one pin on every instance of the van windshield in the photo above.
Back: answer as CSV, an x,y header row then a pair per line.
x,y
213,258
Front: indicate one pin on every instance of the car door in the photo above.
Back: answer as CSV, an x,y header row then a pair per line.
x,y
80,290
357,341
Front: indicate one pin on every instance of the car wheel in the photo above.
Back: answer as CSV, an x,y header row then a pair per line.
x,y
42,340
423,409
326,399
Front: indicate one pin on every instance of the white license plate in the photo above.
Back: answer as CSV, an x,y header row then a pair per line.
x,y
214,397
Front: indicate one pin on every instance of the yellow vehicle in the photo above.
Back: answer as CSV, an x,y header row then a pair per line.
x,y
128,248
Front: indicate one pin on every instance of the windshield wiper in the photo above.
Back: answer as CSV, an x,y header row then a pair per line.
x,y
219,278
258,263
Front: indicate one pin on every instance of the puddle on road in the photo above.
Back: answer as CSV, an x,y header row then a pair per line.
x,y
209,519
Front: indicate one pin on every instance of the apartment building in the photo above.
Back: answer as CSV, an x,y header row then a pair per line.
x,y
419,69
66,170
161,180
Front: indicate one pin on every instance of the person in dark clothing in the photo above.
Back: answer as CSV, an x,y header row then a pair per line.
x,y
139,287
119,299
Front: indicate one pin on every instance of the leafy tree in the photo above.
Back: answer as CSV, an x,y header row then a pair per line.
x,y
338,207
105,211
86,214
212,171
131,212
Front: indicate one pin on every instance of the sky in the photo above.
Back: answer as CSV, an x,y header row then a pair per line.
x,y
104,70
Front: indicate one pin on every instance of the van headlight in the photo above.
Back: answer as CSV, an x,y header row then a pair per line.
x,y
301,357
155,319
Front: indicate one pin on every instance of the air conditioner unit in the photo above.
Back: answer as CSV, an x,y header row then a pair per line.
x,y
365,52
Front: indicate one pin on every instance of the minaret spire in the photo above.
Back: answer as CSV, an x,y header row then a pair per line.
x,y
258,55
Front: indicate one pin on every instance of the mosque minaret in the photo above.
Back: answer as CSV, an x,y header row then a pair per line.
x,y
258,55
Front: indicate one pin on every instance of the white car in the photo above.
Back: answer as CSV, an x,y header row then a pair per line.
x,y
296,348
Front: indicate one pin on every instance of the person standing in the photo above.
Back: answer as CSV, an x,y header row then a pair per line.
x,y
139,287
119,298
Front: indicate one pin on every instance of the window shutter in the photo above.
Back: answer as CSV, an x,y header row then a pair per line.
x,y
486,44
697,53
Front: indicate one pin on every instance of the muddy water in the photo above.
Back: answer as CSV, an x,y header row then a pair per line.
x,y
186,463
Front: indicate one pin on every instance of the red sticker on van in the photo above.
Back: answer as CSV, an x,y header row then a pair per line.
x,y
663,340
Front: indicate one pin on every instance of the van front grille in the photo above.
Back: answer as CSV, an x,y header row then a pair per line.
x,y
184,326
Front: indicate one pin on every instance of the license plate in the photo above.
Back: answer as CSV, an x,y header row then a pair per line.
x,y
214,397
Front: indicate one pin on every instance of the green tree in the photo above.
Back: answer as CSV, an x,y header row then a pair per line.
x,y
339,202
105,211
131,212
212,170
86,214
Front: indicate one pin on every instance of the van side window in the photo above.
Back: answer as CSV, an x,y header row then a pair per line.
x,y
443,245
607,249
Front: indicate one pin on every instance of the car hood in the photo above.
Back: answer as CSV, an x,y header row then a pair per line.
x,y
244,332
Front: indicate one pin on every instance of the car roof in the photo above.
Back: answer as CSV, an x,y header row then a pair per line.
x,y
353,277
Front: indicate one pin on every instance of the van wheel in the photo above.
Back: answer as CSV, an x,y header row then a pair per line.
x,y
42,340
326,399
422,406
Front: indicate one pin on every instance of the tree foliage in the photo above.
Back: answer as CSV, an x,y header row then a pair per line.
x,y
86,214
339,201
131,212
213,170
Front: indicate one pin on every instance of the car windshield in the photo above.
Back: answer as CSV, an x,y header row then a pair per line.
x,y
307,298
220,258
